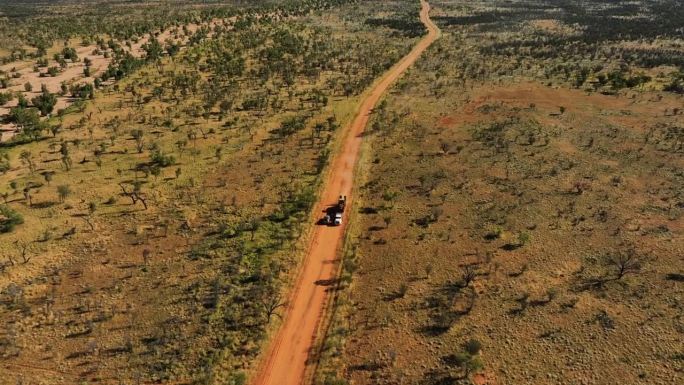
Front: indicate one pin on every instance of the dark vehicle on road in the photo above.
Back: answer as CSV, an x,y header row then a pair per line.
x,y
333,214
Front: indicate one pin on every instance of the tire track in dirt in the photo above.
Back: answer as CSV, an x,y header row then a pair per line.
x,y
287,358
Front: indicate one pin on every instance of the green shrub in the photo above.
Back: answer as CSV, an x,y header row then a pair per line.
x,y
162,160
5,97
9,219
473,346
45,102
239,378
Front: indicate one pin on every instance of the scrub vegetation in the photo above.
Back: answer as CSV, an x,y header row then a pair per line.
x,y
521,213
150,228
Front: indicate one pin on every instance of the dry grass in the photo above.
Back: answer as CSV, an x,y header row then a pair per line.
x,y
532,211
490,213
172,292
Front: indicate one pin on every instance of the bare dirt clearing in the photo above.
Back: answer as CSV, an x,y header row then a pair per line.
x,y
27,73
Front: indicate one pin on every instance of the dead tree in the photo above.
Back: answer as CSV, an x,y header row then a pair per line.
x,y
468,275
623,263
134,195
23,249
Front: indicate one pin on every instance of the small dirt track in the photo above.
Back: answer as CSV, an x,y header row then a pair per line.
x,y
285,363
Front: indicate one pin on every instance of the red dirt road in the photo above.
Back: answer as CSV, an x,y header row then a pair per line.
x,y
286,360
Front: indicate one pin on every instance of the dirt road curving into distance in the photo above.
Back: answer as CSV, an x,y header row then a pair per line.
x,y
285,362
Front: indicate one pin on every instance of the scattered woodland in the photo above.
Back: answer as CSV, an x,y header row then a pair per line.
x,y
29,28
151,227
520,214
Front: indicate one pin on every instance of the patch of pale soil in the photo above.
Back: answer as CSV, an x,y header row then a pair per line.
x,y
553,26
73,73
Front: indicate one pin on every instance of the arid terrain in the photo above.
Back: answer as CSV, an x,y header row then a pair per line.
x,y
292,359
151,231
35,58
514,174
520,217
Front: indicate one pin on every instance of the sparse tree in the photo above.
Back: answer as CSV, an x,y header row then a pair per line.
x,y
24,251
138,135
271,304
63,191
66,162
466,362
27,196
428,270
181,144
47,175
27,159
623,263
45,102
468,275
146,256
135,195
92,207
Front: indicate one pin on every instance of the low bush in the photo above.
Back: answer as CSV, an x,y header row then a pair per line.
x,y
9,219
